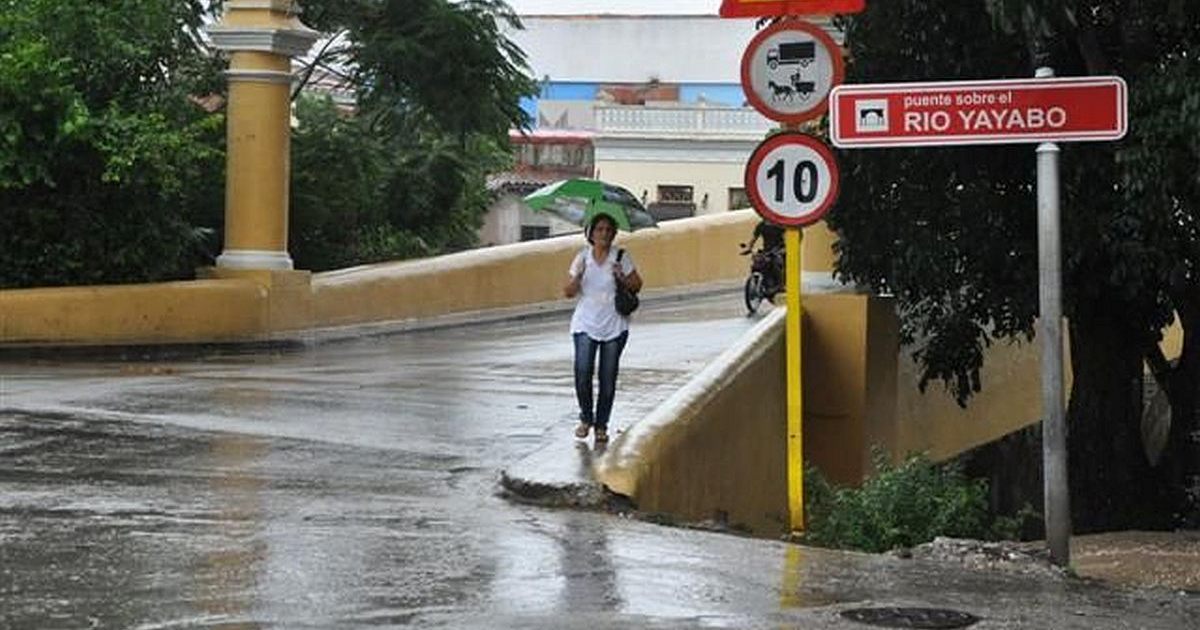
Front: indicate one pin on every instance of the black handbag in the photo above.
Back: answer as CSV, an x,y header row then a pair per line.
x,y
627,301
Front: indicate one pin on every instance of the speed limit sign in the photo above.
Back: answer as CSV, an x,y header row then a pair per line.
x,y
792,179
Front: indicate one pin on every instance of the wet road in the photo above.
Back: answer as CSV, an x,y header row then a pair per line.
x,y
354,485
352,482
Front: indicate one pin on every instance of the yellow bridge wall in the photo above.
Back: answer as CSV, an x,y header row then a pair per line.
x,y
263,305
859,385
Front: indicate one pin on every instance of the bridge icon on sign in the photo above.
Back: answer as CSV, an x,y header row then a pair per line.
x,y
871,116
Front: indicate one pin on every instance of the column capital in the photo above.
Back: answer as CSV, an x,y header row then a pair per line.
x,y
270,26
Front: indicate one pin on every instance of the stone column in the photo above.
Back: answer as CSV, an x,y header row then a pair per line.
x,y
262,37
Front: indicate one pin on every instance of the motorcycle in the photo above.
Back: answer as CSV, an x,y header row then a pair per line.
x,y
766,276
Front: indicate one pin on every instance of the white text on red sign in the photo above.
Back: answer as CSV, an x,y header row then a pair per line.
x,y
978,112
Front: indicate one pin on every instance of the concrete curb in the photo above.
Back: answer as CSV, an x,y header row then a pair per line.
x,y
622,467
597,478
551,477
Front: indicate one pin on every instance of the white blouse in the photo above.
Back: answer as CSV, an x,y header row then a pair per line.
x,y
596,311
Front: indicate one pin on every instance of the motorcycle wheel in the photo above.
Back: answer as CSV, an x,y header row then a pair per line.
x,y
753,292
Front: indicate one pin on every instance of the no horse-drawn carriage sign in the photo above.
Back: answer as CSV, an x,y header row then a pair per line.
x,y
788,70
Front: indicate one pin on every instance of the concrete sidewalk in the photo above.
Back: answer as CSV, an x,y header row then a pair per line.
x,y
560,472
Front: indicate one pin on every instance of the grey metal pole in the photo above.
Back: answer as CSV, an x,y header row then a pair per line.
x,y
1054,424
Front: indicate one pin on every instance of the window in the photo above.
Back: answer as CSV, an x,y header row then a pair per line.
x,y
534,232
738,199
570,157
675,194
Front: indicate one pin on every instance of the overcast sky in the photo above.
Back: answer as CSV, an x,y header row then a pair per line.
x,y
619,7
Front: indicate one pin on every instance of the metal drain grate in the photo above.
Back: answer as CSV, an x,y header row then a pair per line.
x,y
892,617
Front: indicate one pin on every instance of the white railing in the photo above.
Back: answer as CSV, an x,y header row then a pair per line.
x,y
693,120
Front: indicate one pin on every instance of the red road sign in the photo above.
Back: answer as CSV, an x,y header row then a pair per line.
x,y
788,70
978,112
764,8
792,179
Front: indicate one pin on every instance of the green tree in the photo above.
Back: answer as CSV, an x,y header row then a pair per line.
x,y
360,197
952,232
438,85
339,171
104,156
427,62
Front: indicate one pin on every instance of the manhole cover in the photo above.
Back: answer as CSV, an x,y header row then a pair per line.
x,y
911,617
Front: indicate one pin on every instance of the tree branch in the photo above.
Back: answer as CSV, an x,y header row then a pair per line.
x,y
312,66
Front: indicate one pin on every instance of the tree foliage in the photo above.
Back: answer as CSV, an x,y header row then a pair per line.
x,y
109,171
360,197
103,154
952,231
438,85
415,62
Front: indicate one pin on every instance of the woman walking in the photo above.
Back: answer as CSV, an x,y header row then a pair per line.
x,y
596,326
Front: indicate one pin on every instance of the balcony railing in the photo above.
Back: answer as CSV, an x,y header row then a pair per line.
x,y
680,120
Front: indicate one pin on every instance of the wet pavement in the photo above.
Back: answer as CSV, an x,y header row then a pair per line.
x,y
355,484
1160,559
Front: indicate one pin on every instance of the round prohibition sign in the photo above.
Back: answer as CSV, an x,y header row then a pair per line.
x,y
788,70
792,179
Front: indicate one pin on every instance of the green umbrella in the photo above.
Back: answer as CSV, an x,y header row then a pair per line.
x,y
579,200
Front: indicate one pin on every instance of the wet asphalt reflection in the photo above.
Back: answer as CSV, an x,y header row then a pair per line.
x,y
352,482
354,485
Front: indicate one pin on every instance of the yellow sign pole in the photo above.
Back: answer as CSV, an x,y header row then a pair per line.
x,y
795,408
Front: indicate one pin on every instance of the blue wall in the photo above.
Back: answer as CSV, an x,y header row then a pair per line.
x,y
569,91
714,93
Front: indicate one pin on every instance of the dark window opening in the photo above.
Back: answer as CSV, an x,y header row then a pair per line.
x,y
738,199
675,194
534,232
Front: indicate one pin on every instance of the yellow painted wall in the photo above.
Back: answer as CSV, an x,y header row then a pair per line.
x,y
203,310
849,349
253,305
859,392
717,450
714,449
935,424
678,253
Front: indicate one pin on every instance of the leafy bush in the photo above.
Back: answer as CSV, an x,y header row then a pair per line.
x,y
900,506
107,167
360,195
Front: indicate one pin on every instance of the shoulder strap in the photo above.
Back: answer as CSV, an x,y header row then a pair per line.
x,y
620,253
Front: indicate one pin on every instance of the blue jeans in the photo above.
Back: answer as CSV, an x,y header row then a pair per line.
x,y
585,366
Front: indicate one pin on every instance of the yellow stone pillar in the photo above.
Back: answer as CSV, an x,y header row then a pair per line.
x,y
262,37
817,259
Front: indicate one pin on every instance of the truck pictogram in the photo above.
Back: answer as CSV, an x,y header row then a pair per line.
x,y
791,53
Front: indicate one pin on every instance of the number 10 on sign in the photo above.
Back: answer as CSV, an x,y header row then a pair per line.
x,y
792,179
